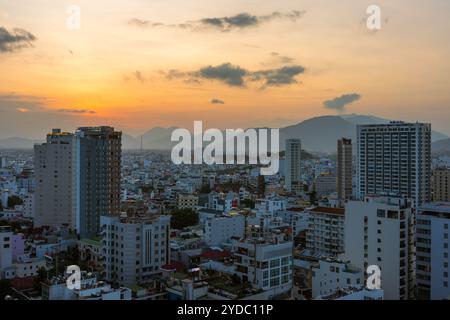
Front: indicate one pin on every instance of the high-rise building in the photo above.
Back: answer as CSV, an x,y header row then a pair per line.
x,y
135,247
432,246
293,163
325,233
97,184
380,231
344,169
441,184
54,174
3,162
395,158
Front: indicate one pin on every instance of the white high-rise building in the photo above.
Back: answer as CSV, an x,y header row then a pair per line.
x,y
54,172
432,246
395,158
135,247
293,163
380,231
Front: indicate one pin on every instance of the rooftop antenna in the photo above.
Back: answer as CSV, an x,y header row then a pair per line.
x,y
142,147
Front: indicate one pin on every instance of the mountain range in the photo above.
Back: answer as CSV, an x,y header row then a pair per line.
x,y
317,134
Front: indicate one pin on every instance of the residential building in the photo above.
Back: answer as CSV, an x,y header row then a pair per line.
x,y
325,233
395,158
292,163
264,259
380,231
220,229
441,184
135,247
97,183
55,171
432,247
187,201
344,169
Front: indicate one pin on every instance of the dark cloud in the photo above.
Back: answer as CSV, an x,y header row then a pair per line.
x,y
14,40
341,102
217,101
280,76
79,111
228,73
224,24
236,76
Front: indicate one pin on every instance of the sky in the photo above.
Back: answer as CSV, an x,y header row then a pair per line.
x,y
139,64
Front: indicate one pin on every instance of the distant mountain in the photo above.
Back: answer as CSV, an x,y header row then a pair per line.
x,y
441,146
17,143
157,139
319,134
361,119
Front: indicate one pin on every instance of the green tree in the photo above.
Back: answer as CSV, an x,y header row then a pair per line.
x,y
182,218
14,201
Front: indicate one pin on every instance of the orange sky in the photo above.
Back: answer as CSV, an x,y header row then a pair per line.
x,y
113,72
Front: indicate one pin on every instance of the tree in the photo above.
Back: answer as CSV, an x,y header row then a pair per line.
x,y
5,289
182,218
248,203
39,278
14,201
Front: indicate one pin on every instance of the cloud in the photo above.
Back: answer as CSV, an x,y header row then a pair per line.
x,y
11,41
341,102
280,76
224,24
79,111
226,72
236,76
23,110
217,101
281,59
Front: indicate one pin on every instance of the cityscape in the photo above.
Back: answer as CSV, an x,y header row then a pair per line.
x,y
236,193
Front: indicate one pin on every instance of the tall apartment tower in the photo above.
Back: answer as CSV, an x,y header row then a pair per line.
x,y
344,169
433,253
292,166
97,183
441,184
380,231
54,173
135,247
395,158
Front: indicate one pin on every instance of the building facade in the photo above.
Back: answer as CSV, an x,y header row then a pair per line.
x,y
135,247
344,169
441,184
325,233
55,172
292,163
395,158
380,231
97,183
432,241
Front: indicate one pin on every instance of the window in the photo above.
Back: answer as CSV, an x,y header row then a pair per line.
x,y
275,263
